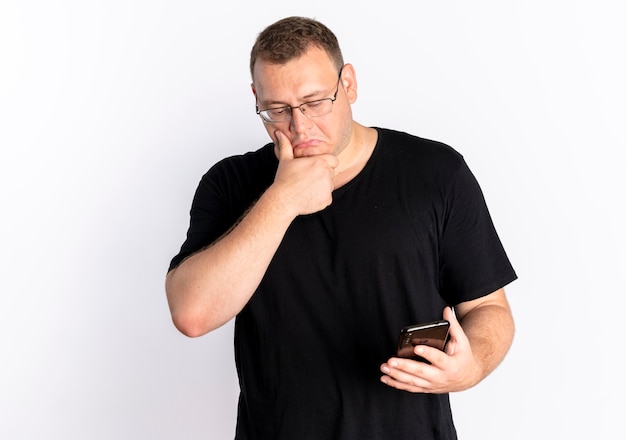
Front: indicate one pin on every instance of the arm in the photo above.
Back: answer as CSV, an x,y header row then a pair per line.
x,y
479,340
488,325
210,287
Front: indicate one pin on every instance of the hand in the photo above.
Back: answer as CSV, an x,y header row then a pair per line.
x,y
305,183
454,370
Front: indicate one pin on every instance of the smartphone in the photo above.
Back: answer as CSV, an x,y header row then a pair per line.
x,y
434,334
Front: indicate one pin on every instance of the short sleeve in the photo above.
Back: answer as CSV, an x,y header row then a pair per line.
x,y
473,262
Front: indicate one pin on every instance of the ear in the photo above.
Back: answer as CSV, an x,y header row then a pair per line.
x,y
348,81
253,89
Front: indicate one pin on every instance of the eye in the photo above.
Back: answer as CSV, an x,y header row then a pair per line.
x,y
277,111
314,104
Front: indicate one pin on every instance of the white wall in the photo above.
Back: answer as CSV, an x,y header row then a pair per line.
x,y
110,111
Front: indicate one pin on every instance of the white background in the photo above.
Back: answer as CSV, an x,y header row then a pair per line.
x,y
110,112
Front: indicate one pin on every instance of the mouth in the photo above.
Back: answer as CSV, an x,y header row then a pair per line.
x,y
302,145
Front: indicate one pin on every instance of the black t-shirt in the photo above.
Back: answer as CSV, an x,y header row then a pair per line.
x,y
407,236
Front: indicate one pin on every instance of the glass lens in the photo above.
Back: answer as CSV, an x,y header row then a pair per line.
x,y
311,109
278,114
317,108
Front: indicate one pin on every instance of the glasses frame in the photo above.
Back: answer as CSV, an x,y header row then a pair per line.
x,y
266,118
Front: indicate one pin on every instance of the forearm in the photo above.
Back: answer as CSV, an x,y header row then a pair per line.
x,y
489,328
213,285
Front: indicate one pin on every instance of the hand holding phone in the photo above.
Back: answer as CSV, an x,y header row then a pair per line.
x,y
434,334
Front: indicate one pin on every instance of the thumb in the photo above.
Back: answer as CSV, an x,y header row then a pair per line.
x,y
457,334
284,147
450,316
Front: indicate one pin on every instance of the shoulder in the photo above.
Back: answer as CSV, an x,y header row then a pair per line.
x,y
253,165
415,151
262,158
238,179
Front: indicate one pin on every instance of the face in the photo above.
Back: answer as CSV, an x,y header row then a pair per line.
x,y
312,76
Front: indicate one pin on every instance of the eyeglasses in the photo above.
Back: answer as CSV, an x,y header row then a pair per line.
x,y
310,109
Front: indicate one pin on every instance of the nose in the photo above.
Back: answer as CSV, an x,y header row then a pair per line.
x,y
299,121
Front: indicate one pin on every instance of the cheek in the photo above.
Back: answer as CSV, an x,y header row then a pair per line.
x,y
344,134
270,133
271,130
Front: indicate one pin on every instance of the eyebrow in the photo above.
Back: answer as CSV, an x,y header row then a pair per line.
x,y
304,99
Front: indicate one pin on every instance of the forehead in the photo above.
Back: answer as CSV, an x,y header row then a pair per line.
x,y
301,77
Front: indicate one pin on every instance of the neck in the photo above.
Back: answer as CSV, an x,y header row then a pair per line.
x,y
357,153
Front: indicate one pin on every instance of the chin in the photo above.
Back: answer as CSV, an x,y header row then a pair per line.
x,y
308,151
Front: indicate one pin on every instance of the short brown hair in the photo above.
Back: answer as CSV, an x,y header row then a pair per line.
x,y
290,38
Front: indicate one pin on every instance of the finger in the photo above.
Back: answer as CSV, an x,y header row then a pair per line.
x,y
400,368
285,149
432,355
457,338
333,163
455,325
413,387
448,315
408,373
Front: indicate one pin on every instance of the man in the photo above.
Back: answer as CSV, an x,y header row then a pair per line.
x,y
327,241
